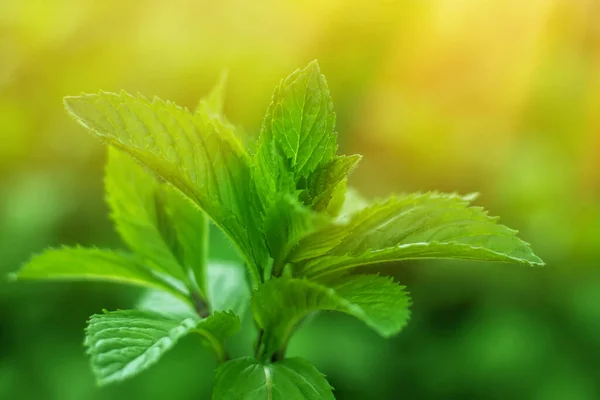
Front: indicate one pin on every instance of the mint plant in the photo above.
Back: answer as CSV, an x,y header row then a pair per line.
x,y
286,208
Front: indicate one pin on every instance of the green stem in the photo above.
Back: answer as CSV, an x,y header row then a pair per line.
x,y
259,344
201,306
261,353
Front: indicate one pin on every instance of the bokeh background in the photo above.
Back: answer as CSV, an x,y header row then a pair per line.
x,y
499,97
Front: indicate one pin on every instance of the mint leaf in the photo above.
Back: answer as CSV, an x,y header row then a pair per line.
x,y
80,263
212,104
297,134
190,244
197,154
384,303
292,378
418,226
137,201
295,168
297,144
375,300
123,343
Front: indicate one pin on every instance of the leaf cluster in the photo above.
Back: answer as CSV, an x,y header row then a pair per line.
x,y
286,207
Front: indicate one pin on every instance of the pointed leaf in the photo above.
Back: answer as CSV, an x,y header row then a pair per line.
x,y
199,155
295,169
123,343
190,242
377,301
91,264
133,194
419,226
214,102
292,378
384,303
297,134
156,221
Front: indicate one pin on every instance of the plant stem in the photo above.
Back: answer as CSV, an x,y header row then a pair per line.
x,y
259,344
203,311
200,305
260,352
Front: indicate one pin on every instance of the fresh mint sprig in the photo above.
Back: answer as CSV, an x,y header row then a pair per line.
x,y
286,208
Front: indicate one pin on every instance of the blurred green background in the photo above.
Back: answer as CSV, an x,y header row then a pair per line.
x,y
499,97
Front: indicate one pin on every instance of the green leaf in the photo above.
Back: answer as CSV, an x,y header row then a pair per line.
x,y
83,264
297,143
136,200
123,343
295,169
214,102
197,154
190,242
377,301
289,379
384,303
418,226
297,134
157,222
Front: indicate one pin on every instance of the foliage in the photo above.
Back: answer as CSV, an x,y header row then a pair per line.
x,y
287,210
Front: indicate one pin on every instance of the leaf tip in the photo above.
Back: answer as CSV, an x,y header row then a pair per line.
x,y
536,261
222,79
313,66
68,103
